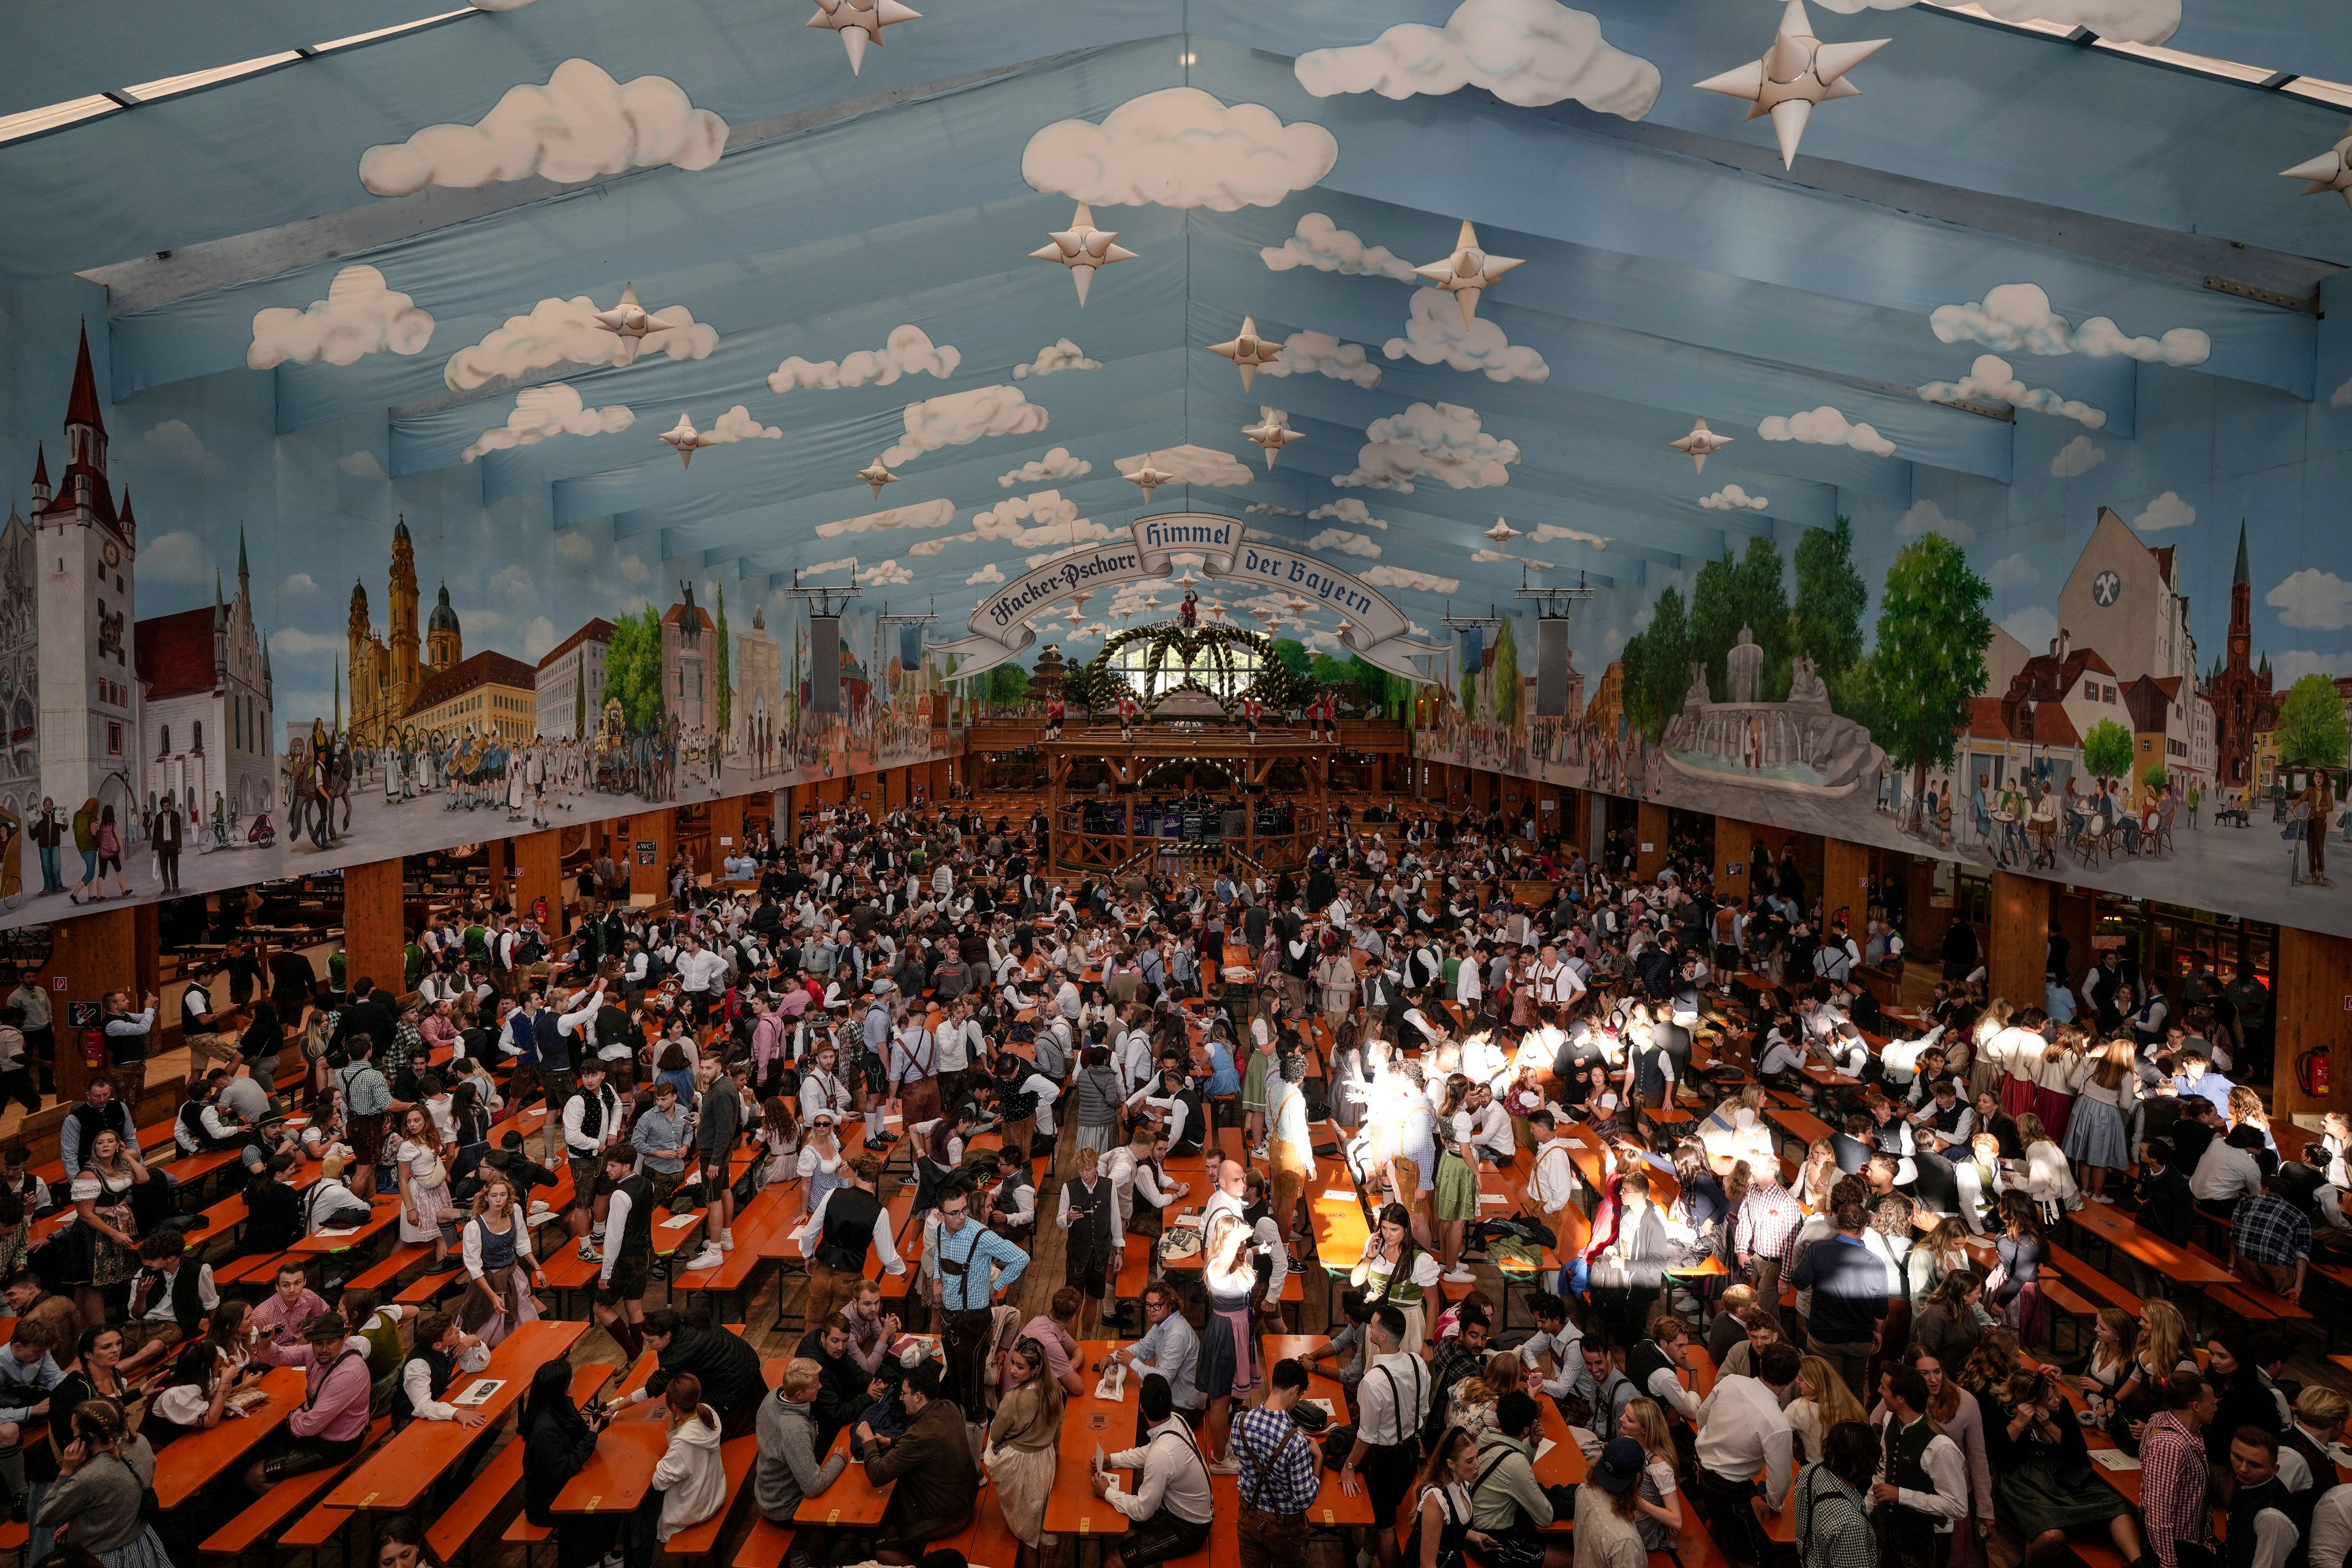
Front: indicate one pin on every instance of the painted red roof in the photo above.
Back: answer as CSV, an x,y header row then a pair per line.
x,y
174,653
675,616
82,405
2051,727
598,630
1985,721
485,668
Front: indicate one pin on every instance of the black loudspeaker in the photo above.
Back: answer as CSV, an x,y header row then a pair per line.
x,y
1551,668
825,664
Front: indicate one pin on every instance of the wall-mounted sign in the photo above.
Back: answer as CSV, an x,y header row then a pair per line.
x,y
646,849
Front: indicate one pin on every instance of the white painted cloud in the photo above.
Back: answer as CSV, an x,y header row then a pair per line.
x,y
1927,517
883,574
2313,599
1824,426
176,557
2017,318
632,569
908,350
959,418
1326,355
1992,377
936,513
580,125
1346,543
1269,510
1442,441
1191,465
2035,626
1731,497
2166,511
300,582
1404,577
1347,510
2127,21
1180,147
2011,572
1547,532
361,465
2077,457
1324,246
1032,521
987,575
737,425
1055,465
1487,556
540,412
575,547
176,443
361,315
1436,334
825,568
562,331
1525,52
2293,664
1059,355
2341,397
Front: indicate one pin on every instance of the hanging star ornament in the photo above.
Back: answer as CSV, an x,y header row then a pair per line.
x,y
2331,171
1468,272
1082,247
1271,432
874,474
860,23
683,439
1798,71
1700,445
1149,478
1502,532
627,322
1247,351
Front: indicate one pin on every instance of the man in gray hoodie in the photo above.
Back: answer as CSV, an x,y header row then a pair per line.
x,y
787,1471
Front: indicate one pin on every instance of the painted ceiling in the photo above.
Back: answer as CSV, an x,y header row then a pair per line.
x,y
2016,219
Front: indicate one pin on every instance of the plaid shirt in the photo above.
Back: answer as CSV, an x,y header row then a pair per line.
x,y
2268,1229
2174,1482
1768,1218
1286,1484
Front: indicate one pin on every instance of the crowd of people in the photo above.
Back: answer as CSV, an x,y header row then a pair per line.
x,y
926,979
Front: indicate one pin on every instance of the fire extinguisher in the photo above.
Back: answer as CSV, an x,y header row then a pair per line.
x,y
93,1049
2311,1071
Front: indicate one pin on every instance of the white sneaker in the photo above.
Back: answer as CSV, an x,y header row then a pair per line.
x,y
2101,1199
709,1257
1461,1277
588,1253
1228,1466
538,1211
725,1241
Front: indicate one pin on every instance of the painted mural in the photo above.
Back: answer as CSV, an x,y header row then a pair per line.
x,y
190,707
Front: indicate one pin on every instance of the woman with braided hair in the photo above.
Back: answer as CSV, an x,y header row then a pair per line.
x,y
102,1475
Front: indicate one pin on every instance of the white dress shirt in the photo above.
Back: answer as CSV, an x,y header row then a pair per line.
x,y
1948,1503
1742,1431
1174,1476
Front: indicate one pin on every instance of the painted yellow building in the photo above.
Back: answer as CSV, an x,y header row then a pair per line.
x,y
387,677
491,692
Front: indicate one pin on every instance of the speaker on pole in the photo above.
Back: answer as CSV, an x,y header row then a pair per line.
x,y
825,664
1552,667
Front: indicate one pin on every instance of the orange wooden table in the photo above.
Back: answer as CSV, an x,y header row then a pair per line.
x,y
195,1461
1332,1507
399,1475
852,1502
621,1471
1087,1423
384,1211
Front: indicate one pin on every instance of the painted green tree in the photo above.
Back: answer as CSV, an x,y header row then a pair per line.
x,y
1507,675
725,666
2312,733
2108,750
1293,654
1657,666
1359,681
2154,778
1005,686
633,667
1929,661
1826,619
579,708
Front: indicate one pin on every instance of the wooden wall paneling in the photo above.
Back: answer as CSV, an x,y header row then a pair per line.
x,y
1650,846
539,874
1733,841
374,934
2312,1010
1845,884
2019,943
659,829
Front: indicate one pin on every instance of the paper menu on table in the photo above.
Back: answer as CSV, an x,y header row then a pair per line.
x,y
480,1392
1337,1196
338,1230
1543,1448
676,1221
1323,1405
2113,1460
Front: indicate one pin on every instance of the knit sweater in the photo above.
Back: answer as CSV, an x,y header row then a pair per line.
x,y
787,1471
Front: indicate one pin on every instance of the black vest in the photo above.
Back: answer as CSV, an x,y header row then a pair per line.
x,y
114,1119
1196,1123
1642,1362
1090,1219
188,1310
592,1113
441,1365
1905,1449
2237,1547
1936,1186
848,1237
637,1230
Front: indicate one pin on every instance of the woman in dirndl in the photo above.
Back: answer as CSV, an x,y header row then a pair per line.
x,y
1396,1272
496,1248
2056,1080
1228,1365
1453,1202
100,1195
1024,1443
426,1212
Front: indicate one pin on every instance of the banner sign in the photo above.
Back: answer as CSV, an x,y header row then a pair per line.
x,y
1001,623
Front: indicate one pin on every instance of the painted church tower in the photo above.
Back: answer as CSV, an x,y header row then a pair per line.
x,y
406,679
88,724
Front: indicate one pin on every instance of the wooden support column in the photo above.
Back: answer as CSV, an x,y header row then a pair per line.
x,y
1845,884
2309,984
659,829
726,829
1650,846
2019,939
539,874
89,956
1734,841
374,936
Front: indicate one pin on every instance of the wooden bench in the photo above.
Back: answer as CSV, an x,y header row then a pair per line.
x,y
697,1541
260,1269
494,1485
428,1287
376,1276
256,1525
323,1524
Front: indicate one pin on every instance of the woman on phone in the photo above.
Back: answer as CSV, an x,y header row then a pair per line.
x,y
102,1475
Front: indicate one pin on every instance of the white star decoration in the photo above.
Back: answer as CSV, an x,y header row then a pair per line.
x,y
1082,247
683,438
1502,532
1700,445
1149,478
1247,351
1798,71
873,473
628,321
1271,432
860,23
2331,171
1468,272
